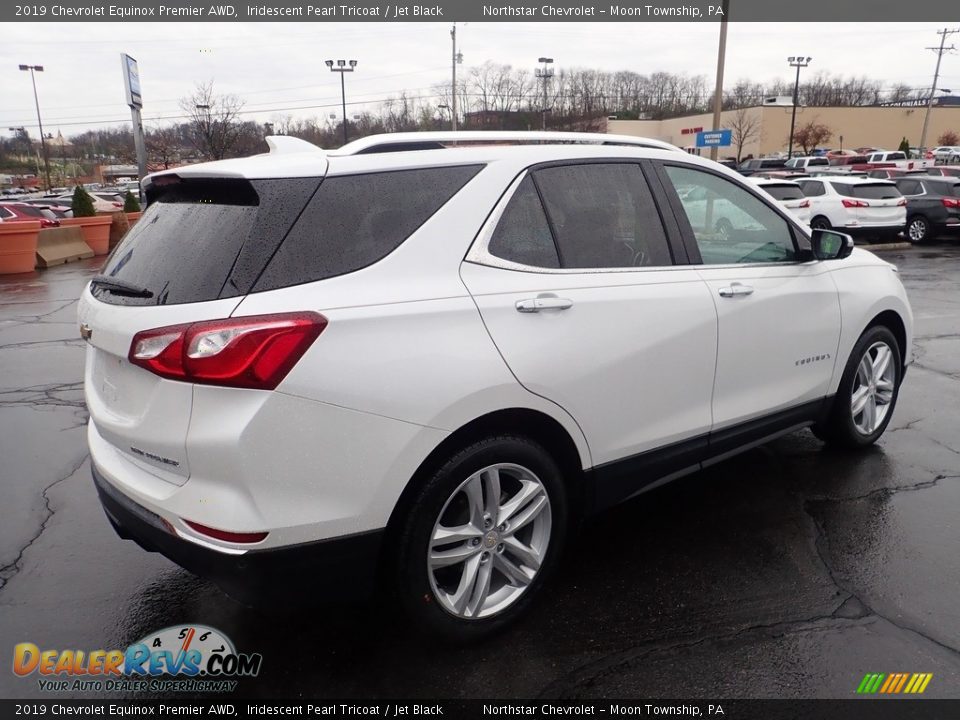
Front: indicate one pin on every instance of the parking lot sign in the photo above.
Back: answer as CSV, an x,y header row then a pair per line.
x,y
714,138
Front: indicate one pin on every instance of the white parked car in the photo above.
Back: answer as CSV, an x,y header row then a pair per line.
x,y
317,369
946,154
788,194
102,202
863,207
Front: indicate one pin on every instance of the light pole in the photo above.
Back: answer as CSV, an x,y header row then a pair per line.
x,y
797,62
544,73
43,139
343,66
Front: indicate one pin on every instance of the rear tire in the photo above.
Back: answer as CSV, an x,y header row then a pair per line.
x,y
480,539
820,223
868,392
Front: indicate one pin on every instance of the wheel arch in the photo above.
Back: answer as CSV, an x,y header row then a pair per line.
x,y
534,424
891,319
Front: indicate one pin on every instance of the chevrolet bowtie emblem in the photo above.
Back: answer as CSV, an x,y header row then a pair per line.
x,y
86,332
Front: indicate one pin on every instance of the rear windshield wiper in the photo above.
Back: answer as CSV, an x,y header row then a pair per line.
x,y
120,287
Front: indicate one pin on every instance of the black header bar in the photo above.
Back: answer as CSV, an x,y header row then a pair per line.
x,y
793,11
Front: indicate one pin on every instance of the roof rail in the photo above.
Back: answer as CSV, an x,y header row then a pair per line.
x,y
399,142
285,144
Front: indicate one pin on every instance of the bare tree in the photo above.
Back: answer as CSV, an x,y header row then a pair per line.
x,y
810,135
214,126
744,127
949,137
163,145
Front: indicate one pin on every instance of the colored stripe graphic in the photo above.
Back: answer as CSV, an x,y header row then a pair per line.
x,y
894,683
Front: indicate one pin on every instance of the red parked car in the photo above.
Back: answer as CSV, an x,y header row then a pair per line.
x,y
20,212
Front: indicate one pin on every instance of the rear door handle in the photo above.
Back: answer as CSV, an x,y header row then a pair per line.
x,y
735,289
543,302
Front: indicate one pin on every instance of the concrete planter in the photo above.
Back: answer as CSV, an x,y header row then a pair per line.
x,y
18,246
96,231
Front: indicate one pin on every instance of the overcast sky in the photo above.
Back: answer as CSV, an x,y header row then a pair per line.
x,y
277,68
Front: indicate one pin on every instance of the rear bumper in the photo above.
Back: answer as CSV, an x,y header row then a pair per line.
x,y
344,568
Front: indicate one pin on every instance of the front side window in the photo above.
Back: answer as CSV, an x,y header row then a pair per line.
x,y
730,224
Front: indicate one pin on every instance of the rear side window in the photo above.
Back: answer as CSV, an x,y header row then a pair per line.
x,y
784,192
204,239
812,189
868,191
910,187
355,220
603,216
523,234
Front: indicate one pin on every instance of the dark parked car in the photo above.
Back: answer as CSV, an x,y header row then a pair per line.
x,y
891,173
933,205
751,167
944,170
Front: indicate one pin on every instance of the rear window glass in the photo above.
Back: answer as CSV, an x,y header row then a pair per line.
x,y
867,191
204,239
355,220
818,161
773,163
896,156
784,192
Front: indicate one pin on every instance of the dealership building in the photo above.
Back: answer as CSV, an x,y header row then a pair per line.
x,y
853,127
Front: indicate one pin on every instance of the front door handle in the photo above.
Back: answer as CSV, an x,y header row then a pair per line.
x,y
543,302
735,289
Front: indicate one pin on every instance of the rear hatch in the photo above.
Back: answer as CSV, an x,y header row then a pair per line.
x,y
198,249
879,203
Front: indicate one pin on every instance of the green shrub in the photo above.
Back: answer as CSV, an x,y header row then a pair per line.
x,y
82,203
130,203
904,147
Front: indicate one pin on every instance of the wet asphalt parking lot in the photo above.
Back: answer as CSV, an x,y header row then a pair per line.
x,y
789,571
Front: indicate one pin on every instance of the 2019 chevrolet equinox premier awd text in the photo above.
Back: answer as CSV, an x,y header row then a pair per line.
x,y
421,360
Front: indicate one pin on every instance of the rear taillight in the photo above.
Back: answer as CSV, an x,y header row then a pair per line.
x,y
245,352
118,205
902,202
847,203
950,202
804,204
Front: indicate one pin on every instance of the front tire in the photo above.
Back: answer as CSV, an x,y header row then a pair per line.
x,y
868,392
480,539
918,229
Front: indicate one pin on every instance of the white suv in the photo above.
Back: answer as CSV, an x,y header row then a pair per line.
x,y
421,365
863,207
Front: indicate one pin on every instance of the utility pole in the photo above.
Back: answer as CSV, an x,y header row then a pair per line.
x,y
718,94
936,76
456,59
797,62
544,73
343,66
43,138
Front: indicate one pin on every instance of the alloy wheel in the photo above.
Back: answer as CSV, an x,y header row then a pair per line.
x,y
917,230
873,388
489,541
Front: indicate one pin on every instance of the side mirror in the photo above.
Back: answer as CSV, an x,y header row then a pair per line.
x,y
831,245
